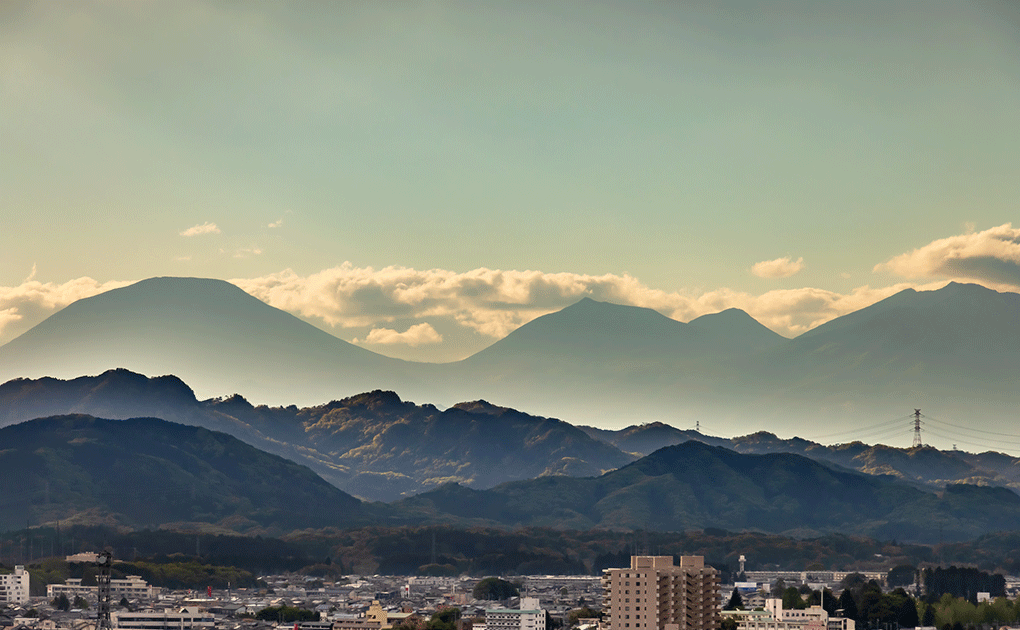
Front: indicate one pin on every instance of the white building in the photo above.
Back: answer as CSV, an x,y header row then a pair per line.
x,y
14,586
775,618
530,616
131,587
187,618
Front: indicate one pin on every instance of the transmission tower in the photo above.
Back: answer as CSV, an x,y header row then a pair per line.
x,y
103,562
917,427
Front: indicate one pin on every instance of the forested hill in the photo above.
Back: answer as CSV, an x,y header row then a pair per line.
x,y
150,473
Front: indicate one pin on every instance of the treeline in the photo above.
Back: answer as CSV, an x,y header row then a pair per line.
x,y
254,554
962,582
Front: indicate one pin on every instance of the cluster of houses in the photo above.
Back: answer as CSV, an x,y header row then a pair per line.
x,y
653,594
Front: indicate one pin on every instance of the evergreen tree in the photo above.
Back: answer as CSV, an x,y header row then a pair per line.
x,y
736,602
928,620
60,602
906,616
848,604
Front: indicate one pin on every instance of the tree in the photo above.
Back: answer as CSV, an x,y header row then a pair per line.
x,y
778,588
444,619
582,613
494,589
848,604
928,620
728,624
124,603
906,615
736,602
61,602
901,575
792,599
79,603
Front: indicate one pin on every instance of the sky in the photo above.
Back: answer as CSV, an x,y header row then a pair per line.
x,y
421,178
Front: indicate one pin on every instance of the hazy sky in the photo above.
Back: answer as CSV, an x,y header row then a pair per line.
x,y
424,177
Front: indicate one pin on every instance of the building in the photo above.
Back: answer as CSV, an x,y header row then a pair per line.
x,y
656,594
131,587
14,586
187,618
773,617
530,616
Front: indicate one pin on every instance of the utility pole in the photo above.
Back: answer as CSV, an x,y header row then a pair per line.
x,y
917,428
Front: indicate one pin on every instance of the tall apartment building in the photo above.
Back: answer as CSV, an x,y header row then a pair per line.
x,y
14,586
655,594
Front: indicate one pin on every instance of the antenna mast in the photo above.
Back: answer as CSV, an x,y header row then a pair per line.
x,y
917,427
104,560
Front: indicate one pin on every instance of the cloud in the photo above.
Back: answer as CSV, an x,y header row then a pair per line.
x,y
276,224
417,335
495,302
27,304
245,252
202,228
489,302
778,268
991,256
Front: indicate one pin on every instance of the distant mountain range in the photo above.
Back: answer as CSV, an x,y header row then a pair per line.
x,y
373,445
694,485
149,473
951,352
379,447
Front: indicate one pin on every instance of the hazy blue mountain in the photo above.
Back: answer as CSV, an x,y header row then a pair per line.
x,y
951,352
694,485
374,444
209,333
147,473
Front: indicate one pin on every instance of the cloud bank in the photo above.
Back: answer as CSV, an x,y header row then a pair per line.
x,y
991,256
491,303
494,302
778,268
29,303
202,228
417,335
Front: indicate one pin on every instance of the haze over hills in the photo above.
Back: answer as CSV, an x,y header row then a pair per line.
x,y
694,485
379,447
208,332
951,352
150,473
374,444
924,465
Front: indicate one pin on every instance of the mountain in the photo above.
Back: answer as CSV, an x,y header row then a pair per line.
x,y
924,466
604,361
694,485
373,444
146,472
950,352
207,332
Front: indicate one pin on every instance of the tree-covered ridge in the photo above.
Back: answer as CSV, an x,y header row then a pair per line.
x,y
149,472
373,445
694,486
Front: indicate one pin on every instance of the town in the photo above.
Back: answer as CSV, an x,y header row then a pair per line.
x,y
653,593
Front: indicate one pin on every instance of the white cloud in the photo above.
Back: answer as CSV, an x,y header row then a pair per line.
x,y
29,303
245,252
779,268
417,335
276,224
991,256
494,302
201,228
